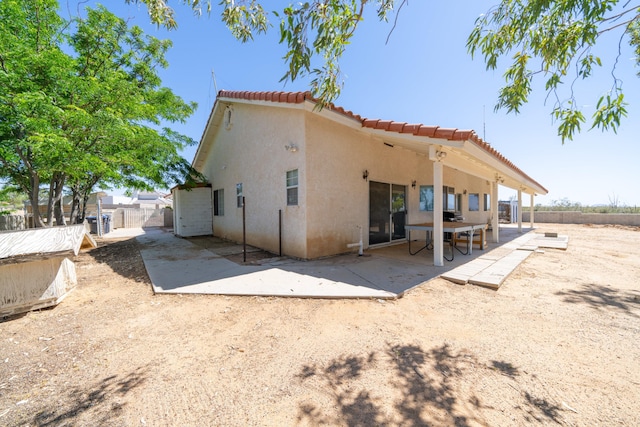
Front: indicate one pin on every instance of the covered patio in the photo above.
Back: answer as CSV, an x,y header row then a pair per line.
x,y
465,152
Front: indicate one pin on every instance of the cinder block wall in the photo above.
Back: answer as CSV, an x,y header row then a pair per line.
x,y
575,217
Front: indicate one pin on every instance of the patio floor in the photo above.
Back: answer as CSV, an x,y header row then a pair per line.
x,y
177,265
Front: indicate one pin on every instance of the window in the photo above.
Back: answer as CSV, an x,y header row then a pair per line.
x,y
448,198
292,187
487,202
218,202
239,196
459,202
426,198
474,202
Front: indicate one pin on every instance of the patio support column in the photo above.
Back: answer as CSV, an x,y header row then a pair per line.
x,y
531,210
519,210
495,214
438,235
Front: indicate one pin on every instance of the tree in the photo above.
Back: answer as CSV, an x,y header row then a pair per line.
x,y
33,70
87,118
553,39
556,40
313,31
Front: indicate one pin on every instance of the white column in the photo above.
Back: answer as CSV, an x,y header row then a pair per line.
x,y
438,235
531,210
495,220
519,211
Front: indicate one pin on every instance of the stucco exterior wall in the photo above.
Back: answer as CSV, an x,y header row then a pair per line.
x,y
333,197
192,216
338,196
252,151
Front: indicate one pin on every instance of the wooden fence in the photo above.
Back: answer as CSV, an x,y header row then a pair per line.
x,y
121,217
12,222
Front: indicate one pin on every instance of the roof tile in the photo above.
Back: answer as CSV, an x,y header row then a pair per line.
x,y
428,131
386,125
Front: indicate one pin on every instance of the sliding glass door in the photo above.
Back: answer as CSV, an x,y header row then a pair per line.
x,y
387,212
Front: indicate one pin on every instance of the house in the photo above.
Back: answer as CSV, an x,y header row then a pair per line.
x,y
306,181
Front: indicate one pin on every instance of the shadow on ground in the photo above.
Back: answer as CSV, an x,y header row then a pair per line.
x,y
200,265
598,296
426,387
122,256
97,402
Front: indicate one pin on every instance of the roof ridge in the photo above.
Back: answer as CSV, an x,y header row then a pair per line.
x,y
418,129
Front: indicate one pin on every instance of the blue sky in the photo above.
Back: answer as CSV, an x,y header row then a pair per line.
x,y
422,75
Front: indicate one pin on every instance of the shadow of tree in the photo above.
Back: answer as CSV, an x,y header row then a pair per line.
x,y
99,400
542,410
434,392
123,257
505,368
425,389
598,296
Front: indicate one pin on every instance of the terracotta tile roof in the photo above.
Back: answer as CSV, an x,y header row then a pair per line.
x,y
451,134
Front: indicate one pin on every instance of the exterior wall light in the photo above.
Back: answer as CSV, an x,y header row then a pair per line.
x,y
413,184
291,147
365,174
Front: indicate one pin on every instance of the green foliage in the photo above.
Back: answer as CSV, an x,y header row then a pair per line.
x,y
554,39
88,118
313,31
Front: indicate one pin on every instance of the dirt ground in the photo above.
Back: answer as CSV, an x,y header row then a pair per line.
x,y
557,344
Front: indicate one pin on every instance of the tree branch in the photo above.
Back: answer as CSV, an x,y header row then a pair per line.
x,y
395,21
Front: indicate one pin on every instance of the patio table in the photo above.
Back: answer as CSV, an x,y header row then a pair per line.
x,y
447,227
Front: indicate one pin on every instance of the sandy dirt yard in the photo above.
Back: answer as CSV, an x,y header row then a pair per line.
x,y
557,344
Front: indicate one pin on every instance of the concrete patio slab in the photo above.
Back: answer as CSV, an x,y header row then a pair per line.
x,y
494,275
178,265
492,268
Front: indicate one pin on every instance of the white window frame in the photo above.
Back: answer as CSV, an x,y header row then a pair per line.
x,y
292,184
474,207
218,202
239,194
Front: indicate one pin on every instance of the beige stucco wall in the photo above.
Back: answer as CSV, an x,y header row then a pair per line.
x,y
333,196
338,196
252,152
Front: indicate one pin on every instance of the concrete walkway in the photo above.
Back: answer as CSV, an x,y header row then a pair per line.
x,y
176,265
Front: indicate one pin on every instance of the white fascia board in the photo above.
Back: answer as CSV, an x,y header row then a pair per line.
x,y
512,178
332,115
410,141
213,123
473,167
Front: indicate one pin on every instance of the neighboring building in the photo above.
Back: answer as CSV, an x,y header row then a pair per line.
x,y
153,200
325,174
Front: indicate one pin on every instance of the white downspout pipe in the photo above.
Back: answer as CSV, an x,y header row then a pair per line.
x,y
359,244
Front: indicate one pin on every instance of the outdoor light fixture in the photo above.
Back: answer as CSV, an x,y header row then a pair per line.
x,y
413,184
365,174
291,147
464,192
441,155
